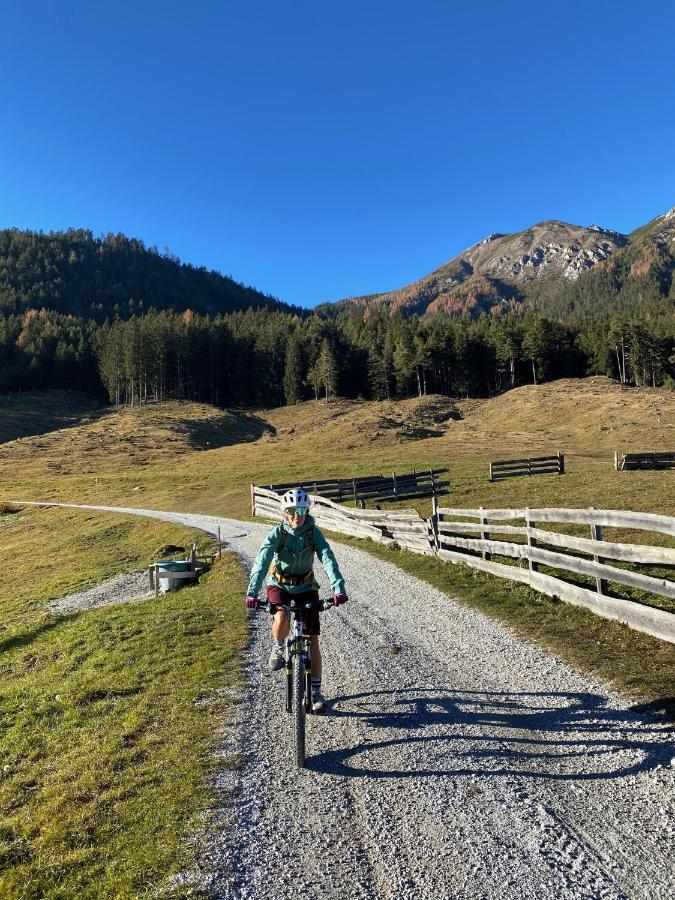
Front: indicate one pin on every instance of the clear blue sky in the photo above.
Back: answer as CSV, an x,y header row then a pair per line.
x,y
323,149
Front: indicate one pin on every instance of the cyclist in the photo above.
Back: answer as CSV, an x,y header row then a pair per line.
x,y
287,554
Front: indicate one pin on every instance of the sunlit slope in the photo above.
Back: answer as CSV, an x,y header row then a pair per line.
x,y
193,456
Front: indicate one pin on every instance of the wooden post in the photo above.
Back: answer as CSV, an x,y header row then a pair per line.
x,y
434,521
491,478
393,477
596,535
531,542
561,463
484,535
354,489
151,572
252,499
193,557
156,580
433,483
220,545
616,460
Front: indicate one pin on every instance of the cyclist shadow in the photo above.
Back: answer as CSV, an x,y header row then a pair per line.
x,y
549,735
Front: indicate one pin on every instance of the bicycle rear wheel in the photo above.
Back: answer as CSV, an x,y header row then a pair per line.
x,y
300,713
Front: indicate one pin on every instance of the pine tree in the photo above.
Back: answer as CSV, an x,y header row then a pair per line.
x,y
293,371
327,369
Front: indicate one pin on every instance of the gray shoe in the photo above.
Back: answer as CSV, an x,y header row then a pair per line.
x,y
318,702
276,660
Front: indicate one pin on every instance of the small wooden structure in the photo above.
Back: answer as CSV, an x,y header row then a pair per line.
x,y
197,566
663,460
531,465
372,487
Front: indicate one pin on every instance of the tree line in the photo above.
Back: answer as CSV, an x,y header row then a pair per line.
x,y
266,357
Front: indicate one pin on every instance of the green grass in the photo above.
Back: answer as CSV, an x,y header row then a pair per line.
x,y
105,754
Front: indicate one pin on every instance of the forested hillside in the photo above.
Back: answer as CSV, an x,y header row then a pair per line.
x,y
186,337
109,277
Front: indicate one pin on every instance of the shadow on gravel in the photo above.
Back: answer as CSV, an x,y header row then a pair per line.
x,y
549,735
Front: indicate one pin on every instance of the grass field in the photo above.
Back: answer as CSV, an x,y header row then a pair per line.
x,y
104,752
116,766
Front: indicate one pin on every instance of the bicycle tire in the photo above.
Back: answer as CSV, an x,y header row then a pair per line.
x,y
308,690
300,712
288,672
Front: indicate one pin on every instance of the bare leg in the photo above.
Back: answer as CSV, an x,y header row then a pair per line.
x,y
316,656
280,624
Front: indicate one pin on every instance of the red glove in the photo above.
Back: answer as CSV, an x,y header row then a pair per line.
x,y
251,602
339,598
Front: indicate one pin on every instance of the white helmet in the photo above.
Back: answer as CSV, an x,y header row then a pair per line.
x,y
296,497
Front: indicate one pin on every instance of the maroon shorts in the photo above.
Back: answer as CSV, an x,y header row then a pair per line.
x,y
310,617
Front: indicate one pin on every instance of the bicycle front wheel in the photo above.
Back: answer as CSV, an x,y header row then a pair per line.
x,y
300,713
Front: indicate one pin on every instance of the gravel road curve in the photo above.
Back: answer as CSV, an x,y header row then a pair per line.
x,y
456,762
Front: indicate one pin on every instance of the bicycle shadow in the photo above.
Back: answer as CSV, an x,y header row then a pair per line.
x,y
550,735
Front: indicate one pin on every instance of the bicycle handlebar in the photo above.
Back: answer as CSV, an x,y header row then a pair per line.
x,y
322,605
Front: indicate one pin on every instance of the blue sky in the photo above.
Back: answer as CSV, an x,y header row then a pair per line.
x,y
318,150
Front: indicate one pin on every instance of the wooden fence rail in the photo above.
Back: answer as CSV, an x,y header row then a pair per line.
x,y
476,552
371,487
449,535
406,527
664,460
531,465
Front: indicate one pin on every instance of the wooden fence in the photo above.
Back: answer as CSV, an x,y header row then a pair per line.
x,y
406,527
372,487
532,465
451,535
454,545
663,460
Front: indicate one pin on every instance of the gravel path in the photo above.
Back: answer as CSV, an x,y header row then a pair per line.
x,y
118,589
457,762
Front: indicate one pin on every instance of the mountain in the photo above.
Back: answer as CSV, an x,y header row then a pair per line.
x,y
636,280
111,276
499,272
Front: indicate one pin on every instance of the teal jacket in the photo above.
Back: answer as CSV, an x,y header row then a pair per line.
x,y
295,558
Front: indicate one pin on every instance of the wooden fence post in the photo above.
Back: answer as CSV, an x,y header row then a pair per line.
x,y
491,478
393,477
252,499
484,535
561,463
616,460
220,544
531,542
193,557
354,489
596,534
434,522
156,580
151,572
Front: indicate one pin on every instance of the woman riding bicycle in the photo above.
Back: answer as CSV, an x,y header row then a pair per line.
x,y
287,555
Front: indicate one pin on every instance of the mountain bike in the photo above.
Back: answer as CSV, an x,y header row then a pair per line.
x,y
298,671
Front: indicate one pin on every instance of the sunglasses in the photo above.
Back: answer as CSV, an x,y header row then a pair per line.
x,y
297,510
